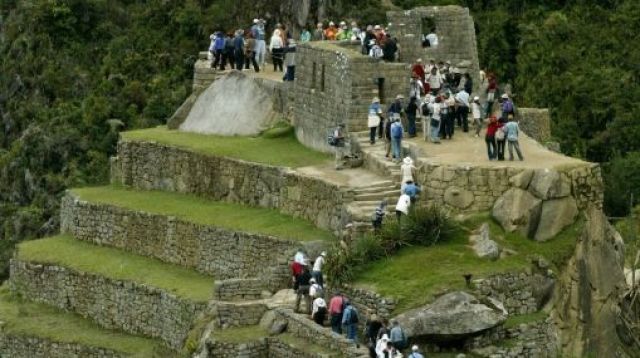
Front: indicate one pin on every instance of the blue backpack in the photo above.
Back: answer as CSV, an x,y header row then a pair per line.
x,y
396,131
219,43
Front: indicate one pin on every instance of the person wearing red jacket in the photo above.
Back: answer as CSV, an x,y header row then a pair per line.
x,y
490,137
418,70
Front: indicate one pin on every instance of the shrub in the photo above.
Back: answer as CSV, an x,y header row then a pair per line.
x,y
427,226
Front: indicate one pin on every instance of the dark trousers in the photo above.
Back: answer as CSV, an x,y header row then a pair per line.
x,y
251,58
448,125
492,151
372,135
277,56
239,57
501,148
381,128
336,323
488,109
463,118
290,74
217,58
411,118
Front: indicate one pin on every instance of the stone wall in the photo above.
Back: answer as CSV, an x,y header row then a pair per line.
x,y
536,123
210,250
113,304
14,346
303,327
271,347
238,314
369,302
529,340
335,84
467,188
241,289
520,292
153,166
456,36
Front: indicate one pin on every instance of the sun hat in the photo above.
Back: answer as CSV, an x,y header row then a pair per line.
x,y
414,348
505,96
323,253
255,21
399,96
419,60
476,98
407,160
342,23
331,23
375,100
313,280
377,27
384,337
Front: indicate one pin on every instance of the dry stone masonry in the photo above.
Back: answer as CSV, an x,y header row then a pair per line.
x,y
14,346
113,304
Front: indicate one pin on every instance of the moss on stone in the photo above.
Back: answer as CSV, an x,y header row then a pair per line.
x,y
283,151
117,264
202,211
37,320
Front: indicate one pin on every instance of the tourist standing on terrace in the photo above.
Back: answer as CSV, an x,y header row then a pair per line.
x,y
276,47
407,169
462,102
335,311
396,139
372,326
512,132
436,119
492,87
305,35
318,33
507,108
418,69
476,111
435,81
450,116
490,137
250,53
341,146
218,48
350,320
331,32
412,112
373,119
238,50
317,268
389,49
259,35
290,61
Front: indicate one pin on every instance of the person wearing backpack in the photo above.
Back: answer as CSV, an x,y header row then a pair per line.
x,y
396,139
373,119
350,320
335,311
490,137
218,49
507,108
512,131
397,336
318,264
319,312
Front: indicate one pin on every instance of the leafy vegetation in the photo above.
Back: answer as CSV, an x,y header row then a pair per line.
x,y
415,275
278,147
207,212
424,226
38,320
117,264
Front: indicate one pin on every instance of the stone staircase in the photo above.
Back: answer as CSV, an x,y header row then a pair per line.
x,y
367,199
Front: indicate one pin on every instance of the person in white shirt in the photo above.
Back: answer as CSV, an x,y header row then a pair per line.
x,y
436,119
315,290
462,101
407,169
433,39
276,47
476,111
402,207
319,310
435,81
316,273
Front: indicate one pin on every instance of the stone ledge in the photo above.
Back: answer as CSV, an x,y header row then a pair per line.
x,y
153,166
270,347
124,305
207,249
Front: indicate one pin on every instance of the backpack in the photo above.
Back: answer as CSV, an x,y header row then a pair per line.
x,y
508,107
219,43
354,319
377,52
500,134
322,311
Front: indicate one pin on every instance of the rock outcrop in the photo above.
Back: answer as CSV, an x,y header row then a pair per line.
x,y
589,292
482,244
454,316
517,209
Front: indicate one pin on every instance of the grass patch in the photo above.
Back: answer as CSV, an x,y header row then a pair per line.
x,y
117,264
306,345
277,147
240,334
38,320
206,212
515,321
414,275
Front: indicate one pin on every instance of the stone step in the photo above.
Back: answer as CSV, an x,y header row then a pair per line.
x,y
378,196
37,330
116,289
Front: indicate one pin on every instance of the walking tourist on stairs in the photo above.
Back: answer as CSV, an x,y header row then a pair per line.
x,y
335,312
373,119
302,289
350,320
319,311
402,207
317,268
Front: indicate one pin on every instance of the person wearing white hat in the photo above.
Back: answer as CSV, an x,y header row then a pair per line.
x,y
317,268
319,311
384,348
407,169
331,32
315,289
415,352
507,108
476,111
396,130
260,50
374,118
318,33
301,287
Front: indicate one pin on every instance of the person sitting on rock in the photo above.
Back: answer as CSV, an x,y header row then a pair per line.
x,y
301,287
319,311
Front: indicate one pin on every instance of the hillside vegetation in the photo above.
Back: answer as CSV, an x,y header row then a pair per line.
x,y
74,73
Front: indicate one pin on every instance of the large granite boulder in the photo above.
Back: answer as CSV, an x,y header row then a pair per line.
x,y
454,316
549,184
517,209
555,216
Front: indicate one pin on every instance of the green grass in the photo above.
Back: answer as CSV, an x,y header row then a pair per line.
x,y
206,212
117,264
306,345
415,275
38,320
283,151
515,321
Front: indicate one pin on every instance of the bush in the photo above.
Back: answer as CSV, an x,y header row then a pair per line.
x,y
424,226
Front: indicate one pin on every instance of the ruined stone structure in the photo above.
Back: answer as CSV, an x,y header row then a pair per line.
x,y
335,84
456,36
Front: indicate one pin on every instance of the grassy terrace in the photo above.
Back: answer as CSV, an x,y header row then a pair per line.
x,y
207,212
117,264
415,275
279,150
38,320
